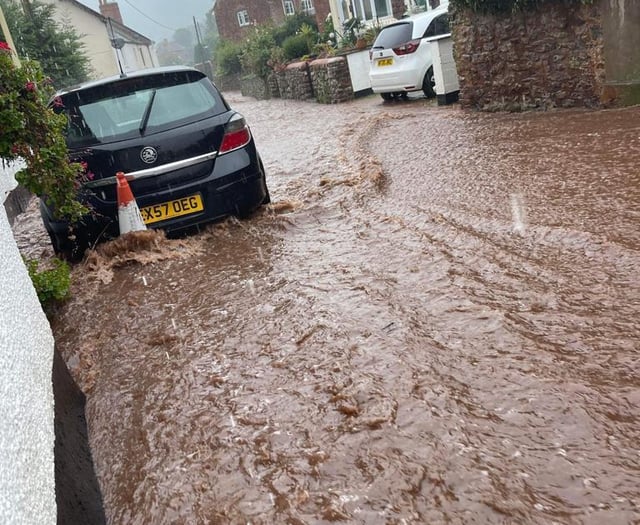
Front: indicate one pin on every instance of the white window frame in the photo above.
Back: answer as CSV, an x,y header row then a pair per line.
x,y
243,18
372,5
307,7
289,7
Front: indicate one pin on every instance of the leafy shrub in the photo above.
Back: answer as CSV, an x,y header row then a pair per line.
x,y
51,284
256,52
31,131
292,25
227,58
295,46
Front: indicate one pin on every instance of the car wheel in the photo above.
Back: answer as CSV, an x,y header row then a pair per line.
x,y
386,96
67,248
267,198
429,83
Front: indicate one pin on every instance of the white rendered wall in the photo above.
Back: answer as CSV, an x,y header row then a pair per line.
x,y
444,66
93,34
359,70
27,480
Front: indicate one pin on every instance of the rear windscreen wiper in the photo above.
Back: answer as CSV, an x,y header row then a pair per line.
x,y
147,112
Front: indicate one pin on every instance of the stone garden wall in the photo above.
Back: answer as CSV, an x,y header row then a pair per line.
x,y
325,80
227,82
254,86
294,82
549,57
331,80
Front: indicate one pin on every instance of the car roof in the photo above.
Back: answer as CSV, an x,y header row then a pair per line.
x,y
421,20
133,74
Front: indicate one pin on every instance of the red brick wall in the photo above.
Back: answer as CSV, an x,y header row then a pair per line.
x,y
322,10
260,12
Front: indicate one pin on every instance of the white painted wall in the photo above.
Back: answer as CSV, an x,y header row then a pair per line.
x,y
444,66
359,66
94,36
27,480
136,56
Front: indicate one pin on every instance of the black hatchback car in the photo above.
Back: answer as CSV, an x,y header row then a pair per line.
x,y
189,158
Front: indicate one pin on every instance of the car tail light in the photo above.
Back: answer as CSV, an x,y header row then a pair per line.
x,y
408,48
236,134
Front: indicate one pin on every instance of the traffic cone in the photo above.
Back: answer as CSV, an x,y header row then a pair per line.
x,y
129,216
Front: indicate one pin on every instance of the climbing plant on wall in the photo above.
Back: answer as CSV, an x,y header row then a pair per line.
x,y
505,6
32,132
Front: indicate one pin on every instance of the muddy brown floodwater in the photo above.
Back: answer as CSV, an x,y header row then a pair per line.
x,y
436,322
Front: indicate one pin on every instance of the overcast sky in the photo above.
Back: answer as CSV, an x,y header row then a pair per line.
x,y
162,18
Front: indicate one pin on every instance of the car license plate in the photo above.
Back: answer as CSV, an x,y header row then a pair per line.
x,y
171,209
385,62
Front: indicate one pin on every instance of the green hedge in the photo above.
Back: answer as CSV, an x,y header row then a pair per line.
x,y
506,6
295,46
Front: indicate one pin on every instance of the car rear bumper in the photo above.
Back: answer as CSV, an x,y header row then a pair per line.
x,y
406,74
385,82
235,186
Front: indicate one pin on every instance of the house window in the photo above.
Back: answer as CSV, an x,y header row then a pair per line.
x,y
307,7
289,8
243,18
372,9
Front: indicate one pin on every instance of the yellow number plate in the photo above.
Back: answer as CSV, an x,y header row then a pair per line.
x,y
385,62
171,209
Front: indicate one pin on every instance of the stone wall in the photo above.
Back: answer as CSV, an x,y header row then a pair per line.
x,y
227,82
331,80
326,80
295,82
254,86
549,57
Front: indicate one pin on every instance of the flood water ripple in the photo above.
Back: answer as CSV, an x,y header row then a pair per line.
x,y
436,322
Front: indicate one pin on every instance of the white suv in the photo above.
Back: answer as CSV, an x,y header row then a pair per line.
x,y
401,58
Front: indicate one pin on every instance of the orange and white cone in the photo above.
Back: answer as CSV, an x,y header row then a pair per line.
x,y
129,216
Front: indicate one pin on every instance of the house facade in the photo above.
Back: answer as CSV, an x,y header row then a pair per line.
x,y
97,31
236,17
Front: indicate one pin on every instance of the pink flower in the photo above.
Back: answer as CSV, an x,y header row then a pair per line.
x,y
57,103
4,46
84,165
30,86
90,175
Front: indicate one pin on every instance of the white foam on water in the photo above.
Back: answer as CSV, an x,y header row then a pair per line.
x,y
518,213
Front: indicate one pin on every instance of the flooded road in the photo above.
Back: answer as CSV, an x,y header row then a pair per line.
x,y
437,321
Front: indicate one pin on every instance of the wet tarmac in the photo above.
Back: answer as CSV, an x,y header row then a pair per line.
x,y
437,321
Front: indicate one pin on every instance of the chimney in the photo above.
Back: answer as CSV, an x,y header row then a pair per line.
x,y
110,10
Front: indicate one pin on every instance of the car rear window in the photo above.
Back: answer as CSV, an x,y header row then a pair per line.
x,y
393,36
116,111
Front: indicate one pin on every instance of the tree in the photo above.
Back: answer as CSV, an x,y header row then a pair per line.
x,y
57,47
184,36
170,53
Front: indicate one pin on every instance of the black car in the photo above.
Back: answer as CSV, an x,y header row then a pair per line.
x,y
189,158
